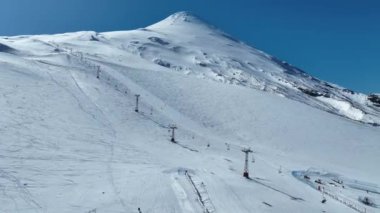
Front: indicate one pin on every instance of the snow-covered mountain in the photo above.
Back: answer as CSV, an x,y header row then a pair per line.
x,y
72,142
185,44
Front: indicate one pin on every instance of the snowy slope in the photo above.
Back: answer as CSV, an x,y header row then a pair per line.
x,y
72,143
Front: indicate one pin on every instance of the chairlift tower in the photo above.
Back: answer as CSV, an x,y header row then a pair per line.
x,y
173,128
98,72
246,151
137,103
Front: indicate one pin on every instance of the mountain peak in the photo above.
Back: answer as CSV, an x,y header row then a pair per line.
x,y
180,18
184,16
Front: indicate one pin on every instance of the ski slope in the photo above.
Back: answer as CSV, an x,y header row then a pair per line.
x,y
72,142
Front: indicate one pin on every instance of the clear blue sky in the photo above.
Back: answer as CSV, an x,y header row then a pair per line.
x,y
334,40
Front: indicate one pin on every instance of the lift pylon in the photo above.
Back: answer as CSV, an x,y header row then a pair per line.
x,y
246,171
173,128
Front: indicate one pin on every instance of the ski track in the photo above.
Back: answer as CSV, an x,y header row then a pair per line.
x,y
111,146
22,191
107,125
182,197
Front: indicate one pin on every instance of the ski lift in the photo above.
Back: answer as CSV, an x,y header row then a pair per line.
x,y
228,146
253,159
323,196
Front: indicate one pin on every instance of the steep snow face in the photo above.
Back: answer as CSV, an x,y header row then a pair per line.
x,y
6,49
184,43
72,142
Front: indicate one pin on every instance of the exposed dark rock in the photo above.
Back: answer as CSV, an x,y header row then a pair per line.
x,y
367,201
94,38
57,50
158,40
178,68
202,64
348,91
162,63
326,95
327,85
289,69
142,48
312,92
375,99
144,29
5,48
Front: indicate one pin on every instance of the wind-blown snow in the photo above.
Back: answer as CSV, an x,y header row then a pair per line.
x,y
72,143
344,108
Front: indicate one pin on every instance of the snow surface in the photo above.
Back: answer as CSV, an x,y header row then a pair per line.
x,y
72,143
345,108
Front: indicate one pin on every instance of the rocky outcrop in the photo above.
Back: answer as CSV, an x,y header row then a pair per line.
x,y
375,99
